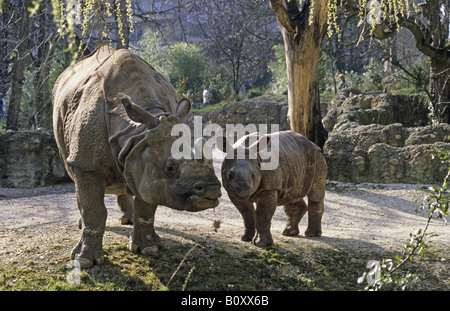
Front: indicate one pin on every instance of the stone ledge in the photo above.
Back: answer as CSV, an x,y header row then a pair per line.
x,y
30,159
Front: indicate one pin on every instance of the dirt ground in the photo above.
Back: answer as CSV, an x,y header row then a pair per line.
x,y
357,216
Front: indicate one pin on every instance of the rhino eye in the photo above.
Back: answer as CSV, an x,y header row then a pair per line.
x,y
170,168
231,175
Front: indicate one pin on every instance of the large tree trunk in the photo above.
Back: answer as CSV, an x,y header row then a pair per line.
x,y
12,121
5,34
440,89
302,63
439,62
302,44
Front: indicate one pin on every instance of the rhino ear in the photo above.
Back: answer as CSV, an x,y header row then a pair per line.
x,y
184,106
137,113
202,147
261,144
223,144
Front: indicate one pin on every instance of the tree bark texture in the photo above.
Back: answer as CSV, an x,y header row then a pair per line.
x,y
302,44
12,121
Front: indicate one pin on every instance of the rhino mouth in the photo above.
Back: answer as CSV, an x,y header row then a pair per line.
x,y
196,203
207,200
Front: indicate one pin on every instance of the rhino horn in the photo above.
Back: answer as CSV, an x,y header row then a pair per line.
x,y
137,113
200,148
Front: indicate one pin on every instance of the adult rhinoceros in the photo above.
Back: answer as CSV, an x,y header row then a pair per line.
x,y
112,117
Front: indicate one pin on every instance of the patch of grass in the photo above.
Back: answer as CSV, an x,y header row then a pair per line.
x,y
208,108
210,265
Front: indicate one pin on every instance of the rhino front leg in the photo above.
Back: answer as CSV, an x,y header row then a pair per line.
x,y
265,208
125,203
90,198
247,211
295,213
144,238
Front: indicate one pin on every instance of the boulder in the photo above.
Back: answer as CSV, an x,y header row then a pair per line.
x,y
30,159
258,110
383,138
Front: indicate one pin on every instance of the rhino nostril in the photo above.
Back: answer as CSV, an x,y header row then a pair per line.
x,y
199,188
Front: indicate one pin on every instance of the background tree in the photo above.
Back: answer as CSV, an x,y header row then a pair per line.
x,y
303,25
23,25
428,22
240,34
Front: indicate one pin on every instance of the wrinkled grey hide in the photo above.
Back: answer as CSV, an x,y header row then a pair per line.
x,y
113,115
301,172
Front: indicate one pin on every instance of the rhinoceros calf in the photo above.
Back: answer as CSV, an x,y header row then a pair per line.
x,y
301,172
112,117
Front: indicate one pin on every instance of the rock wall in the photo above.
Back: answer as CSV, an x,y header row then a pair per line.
x,y
373,137
383,138
29,159
380,138
263,110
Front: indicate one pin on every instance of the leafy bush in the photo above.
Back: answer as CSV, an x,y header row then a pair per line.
x,y
184,64
277,67
252,93
187,66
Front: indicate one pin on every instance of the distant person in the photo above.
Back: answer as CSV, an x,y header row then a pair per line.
x,y
341,86
206,95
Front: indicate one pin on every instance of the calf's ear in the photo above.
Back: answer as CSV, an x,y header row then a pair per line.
x,y
224,145
137,113
261,145
202,147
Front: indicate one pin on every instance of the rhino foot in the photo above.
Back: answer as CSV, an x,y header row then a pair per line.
x,y
263,241
313,232
247,236
290,231
84,263
124,220
146,250
89,250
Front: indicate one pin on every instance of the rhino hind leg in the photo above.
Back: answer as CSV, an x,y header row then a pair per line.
x,y
125,203
295,213
315,199
315,212
90,198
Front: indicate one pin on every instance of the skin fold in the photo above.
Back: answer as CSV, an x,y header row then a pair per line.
x,y
301,172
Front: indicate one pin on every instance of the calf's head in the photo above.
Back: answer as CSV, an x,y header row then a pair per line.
x,y
241,168
150,171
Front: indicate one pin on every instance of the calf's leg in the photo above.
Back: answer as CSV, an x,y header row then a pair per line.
x,y
295,213
247,211
265,208
315,212
315,198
